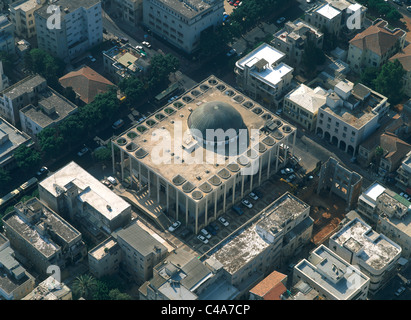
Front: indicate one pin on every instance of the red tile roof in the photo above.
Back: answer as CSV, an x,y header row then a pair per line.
x,y
271,287
86,82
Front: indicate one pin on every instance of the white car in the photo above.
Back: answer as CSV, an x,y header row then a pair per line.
x,y
147,44
174,226
202,239
112,180
247,203
288,170
139,47
205,233
253,196
82,152
223,221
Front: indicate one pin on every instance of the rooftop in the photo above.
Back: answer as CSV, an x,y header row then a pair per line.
x,y
271,287
49,289
273,70
188,9
371,248
328,11
309,99
329,271
91,191
25,5
67,6
24,86
10,139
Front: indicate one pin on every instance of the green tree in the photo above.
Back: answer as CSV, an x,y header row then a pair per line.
x,y
102,154
51,141
389,81
8,63
115,294
312,57
84,286
5,179
27,158
101,291
368,76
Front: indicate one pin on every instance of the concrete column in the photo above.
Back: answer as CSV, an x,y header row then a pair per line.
x,y
234,183
113,157
139,176
206,208
122,164
131,172
167,196
242,185
251,181
196,217
186,210
269,163
158,189
177,204
225,196
260,170
276,160
295,137
215,204
149,182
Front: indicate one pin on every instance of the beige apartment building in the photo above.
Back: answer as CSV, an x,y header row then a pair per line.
x,y
22,16
129,11
403,177
302,105
180,22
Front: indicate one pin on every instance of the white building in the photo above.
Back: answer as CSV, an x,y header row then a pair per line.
x,y
180,22
73,192
79,28
332,276
263,75
375,255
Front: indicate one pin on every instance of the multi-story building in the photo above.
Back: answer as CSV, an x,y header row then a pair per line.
x,y
235,142
293,38
331,276
302,104
22,16
10,139
19,95
125,61
49,109
4,80
141,252
374,46
403,177
325,17
350,115
181,22
105,258
74,193
50,289
7,44
281,231
367,202
43,237
263,75
129,11
373,253
79,28
15,281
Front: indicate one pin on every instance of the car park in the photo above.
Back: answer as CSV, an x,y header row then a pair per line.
x,y
82,152
174,226
205,233
42,171
253,196
247,203
223,221
202,239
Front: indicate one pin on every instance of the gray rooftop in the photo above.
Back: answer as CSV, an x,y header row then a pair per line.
x,y
71,5
24,86
10,139
188,8
12,274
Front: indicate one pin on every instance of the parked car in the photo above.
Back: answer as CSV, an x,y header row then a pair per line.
x,y
399,291
174,226
288,170
238,210
202,239
258,193
253,196
211,230
82,152
92,58
112,180
291,178
231,53
42,171
280,20
409,8
205,233
119,123
247,203
223,221
147,44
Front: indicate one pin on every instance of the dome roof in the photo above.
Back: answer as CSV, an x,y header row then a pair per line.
x,y
215,115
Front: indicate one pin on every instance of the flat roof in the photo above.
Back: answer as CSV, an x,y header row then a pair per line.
x,y
307,98
274,71
332,273
328,11
374,249
92,191
13,138
24,86
374,191
188,9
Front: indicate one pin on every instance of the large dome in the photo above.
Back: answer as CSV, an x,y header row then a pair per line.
x,y
215,115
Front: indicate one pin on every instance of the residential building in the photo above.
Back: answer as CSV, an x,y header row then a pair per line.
x,y
373,253
10,139
303,291
337,179
129,11
350,115
142,250
226,167
302,104
263,75
125,61
15,281
74,193
80,28
86,83
374,46
48,109
182,276
331,276
4,82
22,16
403,177
50,289
105,258
7,44
19,95
280,232
325,17
181,22
271,287
293,39
404,57
367,202
42,236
